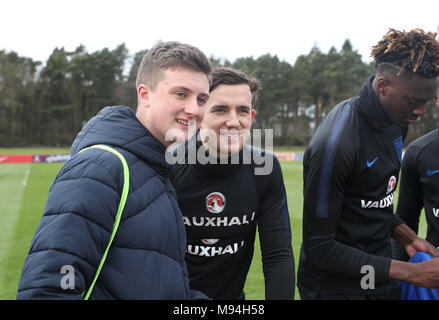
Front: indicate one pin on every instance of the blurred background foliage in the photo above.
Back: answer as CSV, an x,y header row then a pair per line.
x,y
46,104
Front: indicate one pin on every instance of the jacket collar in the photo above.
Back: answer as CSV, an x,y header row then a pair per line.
x,y
119,127
371,108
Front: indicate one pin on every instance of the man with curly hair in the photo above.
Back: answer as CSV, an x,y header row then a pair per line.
x,y
351,170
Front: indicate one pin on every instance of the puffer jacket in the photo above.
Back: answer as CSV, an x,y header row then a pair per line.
x,y
146,259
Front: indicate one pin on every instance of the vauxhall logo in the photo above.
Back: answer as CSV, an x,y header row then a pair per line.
x,y
383,203
219,221
215,202
204,251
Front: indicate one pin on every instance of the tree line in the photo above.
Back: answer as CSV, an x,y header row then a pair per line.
x,y
47,104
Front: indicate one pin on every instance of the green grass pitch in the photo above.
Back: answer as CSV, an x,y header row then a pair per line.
x,y
23,193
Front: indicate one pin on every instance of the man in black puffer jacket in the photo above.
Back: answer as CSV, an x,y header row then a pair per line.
x,y
146,258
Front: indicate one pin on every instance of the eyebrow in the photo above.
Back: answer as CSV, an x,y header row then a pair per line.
x,y
420,100
227,106
189,90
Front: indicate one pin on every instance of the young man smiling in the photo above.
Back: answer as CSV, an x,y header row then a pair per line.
x,y
146,258
223,201
175,102
228,118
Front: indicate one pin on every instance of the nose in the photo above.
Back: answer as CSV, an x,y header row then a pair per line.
x,y
420,110
232,121
192,108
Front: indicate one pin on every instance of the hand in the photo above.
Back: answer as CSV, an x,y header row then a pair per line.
x,y
419,244
411,242
426,274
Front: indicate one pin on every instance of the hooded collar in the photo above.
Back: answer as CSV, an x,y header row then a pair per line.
x,y
371,108
119,127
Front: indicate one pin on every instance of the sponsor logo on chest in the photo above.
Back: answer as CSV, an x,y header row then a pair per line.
x,y
215,202
391,185
204,251
219,221
385,202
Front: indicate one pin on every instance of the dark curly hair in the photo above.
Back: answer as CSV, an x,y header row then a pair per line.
x,y
404,52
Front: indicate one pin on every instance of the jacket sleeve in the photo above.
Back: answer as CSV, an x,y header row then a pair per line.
x,y
328,164
75,228
198,295
410,202
275,238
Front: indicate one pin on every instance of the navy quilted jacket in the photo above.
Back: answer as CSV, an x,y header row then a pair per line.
x,y
146,260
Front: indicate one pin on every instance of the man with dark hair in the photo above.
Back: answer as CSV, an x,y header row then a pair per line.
x,y
226,194
351,169
419,189
146,256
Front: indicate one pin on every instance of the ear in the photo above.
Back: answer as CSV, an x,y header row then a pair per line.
x,y
383,85
253,114
143,95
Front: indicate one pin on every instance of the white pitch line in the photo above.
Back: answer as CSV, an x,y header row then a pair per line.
x,y
26,177
13,179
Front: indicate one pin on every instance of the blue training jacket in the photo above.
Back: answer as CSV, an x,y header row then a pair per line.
x,y
146,260
409,291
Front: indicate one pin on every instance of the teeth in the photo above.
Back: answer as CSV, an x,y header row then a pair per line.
x,y
185,123
232,134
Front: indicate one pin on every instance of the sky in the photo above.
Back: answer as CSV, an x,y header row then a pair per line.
x,y
225,29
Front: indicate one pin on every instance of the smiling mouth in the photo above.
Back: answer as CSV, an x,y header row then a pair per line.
x,y
412,120
183,122
232,135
